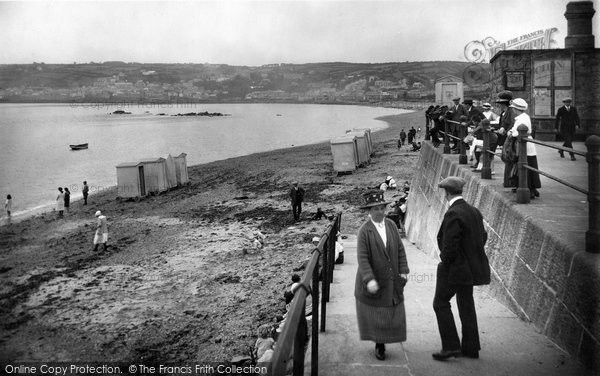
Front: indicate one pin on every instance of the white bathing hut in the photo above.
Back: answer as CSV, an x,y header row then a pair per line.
x,y
171,171
345,153
364,157
181,169
155,175
130,180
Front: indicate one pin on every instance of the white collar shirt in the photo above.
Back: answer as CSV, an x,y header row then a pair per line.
x,y
454,200
380,226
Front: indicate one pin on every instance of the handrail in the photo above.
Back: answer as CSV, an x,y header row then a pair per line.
x,y
562,148
592,235
592,242
462,159
291,341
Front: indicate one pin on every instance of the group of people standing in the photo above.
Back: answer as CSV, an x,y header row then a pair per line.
x,y
504,132
383,270
63,200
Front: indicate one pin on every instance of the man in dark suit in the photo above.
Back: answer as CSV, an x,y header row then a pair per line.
x,y
296,196
505,123
566,121
464,264
457,111
472,111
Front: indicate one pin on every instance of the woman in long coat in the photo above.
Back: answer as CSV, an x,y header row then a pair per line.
x,y
380,279
533,177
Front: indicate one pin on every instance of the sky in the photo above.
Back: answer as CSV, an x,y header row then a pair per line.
x,y
254,33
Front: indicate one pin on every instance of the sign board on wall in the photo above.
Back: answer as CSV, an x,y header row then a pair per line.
x,y
514,80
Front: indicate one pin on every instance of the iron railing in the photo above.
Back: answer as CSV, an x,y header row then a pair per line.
x,y
290,346
592,156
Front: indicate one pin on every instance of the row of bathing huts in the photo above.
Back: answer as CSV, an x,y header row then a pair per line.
x,y
352,150
151,176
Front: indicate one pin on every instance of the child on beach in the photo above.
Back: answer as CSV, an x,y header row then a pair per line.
x,y
263,349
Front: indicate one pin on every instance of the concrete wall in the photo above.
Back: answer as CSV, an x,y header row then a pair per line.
x,y
535,272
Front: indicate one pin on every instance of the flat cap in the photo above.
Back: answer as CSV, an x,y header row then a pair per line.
x,y
453,184
567,99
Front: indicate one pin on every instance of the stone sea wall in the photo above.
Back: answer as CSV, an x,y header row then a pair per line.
x,y
536,272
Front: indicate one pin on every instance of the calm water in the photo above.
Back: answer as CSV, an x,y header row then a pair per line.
x,y
34,139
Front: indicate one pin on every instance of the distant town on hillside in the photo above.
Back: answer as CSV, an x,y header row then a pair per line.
x,y
336,82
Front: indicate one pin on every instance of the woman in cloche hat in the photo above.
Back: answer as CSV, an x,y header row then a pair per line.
x,y
381,276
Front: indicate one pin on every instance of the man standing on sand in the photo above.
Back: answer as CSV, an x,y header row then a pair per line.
x,y
464,264
296,196
566,121
101,236
85,192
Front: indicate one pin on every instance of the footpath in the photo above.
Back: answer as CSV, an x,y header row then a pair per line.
x,y
510,346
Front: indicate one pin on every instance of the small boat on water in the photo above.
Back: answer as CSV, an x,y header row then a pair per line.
x,y
79,146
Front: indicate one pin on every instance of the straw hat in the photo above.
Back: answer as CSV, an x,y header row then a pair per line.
x,y
373,198
519,104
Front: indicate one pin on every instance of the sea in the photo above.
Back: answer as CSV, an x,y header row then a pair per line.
x,y
36,158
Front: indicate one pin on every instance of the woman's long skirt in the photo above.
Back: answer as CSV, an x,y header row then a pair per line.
x,y
381,324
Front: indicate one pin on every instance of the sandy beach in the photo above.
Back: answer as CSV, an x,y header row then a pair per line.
x,y
180,280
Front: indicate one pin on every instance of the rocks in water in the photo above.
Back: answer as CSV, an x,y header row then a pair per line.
x,y
205,113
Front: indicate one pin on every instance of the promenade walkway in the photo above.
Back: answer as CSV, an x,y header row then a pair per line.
x,y
510,346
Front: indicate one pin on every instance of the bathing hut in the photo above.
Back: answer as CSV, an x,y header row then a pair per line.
x,y
171,171
368,135
364,156
345,153
130,180
155,175
181,169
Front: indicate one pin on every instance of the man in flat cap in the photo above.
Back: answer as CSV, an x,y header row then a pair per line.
x,y
464,264
566,121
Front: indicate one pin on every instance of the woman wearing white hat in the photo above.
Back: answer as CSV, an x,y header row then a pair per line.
x,y
101,236
533,178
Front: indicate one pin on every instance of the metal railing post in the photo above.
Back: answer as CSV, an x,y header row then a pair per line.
x,y
523,194
446,138
325,272
299,341
314,355
486,159
592,235
462,133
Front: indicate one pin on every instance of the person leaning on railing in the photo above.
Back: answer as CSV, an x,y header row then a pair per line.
x,y
533,177
478,142
505,123
438,124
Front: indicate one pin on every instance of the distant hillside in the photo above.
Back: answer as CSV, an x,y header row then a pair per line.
x,y
120,80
